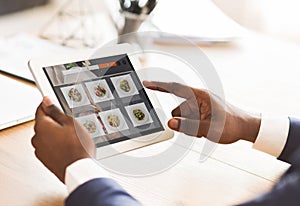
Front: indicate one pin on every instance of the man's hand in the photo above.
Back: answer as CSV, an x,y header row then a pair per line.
x,y
59,140
195,117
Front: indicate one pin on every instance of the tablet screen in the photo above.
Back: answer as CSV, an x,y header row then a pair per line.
x,y
106,97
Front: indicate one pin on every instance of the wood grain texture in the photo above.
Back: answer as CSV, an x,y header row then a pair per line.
x,y
24,180
217,181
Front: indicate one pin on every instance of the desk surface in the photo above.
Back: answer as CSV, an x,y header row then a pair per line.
x,y
256,72
233,174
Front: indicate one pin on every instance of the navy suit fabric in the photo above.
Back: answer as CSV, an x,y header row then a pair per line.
x,y
106,192
287,190
100,192
293,142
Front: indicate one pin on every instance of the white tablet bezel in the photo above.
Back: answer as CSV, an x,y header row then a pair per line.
x,y
36,66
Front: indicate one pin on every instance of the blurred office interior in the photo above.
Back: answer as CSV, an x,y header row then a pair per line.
x,y
275,18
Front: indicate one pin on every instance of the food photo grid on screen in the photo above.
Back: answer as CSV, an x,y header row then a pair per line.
x,y
106,97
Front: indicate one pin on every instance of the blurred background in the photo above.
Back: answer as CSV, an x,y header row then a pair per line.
x,y
278,18
275,18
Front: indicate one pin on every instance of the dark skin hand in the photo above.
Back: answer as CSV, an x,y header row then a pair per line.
x,y
195,117
59,140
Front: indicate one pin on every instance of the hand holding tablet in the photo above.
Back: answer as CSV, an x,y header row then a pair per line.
x,y
105,95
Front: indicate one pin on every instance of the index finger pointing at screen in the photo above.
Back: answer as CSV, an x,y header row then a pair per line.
x,y
178,89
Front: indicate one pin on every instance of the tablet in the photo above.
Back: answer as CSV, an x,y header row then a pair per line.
x,y
104,93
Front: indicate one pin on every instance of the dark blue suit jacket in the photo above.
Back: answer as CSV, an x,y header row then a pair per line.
x,y
106,192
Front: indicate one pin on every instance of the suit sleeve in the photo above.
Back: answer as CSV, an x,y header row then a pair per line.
x,y
100,192
293,141
286,191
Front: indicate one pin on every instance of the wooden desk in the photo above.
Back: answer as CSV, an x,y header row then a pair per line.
x,y
233,174
24,180
257,73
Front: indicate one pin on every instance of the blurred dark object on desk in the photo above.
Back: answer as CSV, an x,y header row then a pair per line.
x,y
9,6
135,12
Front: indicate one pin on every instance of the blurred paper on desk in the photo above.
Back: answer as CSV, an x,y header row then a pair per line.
x,y
15,52
18,102
196,20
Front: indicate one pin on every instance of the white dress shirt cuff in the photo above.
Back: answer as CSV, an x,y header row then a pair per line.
x,y
82,171
272,135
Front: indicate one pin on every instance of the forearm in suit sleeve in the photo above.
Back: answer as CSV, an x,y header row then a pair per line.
x,y
286,191
293,141
100,192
